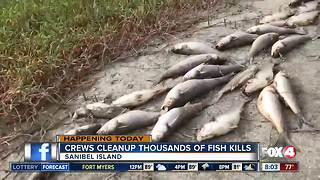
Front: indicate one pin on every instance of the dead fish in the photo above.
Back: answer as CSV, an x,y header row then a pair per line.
x,y
192,48
204,71
99,110
129,121
303,19
262,79
295,3
282,23
188,90
184,66
84,130
281,47
222,124
237,80
173,118
138,97
277,16
307,7
236,39
284,89
262,42
270,107
267,28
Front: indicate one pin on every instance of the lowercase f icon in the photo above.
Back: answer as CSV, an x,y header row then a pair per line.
x,y
40,152
44,150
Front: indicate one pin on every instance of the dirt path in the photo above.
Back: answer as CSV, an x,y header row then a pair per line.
x,y
138,73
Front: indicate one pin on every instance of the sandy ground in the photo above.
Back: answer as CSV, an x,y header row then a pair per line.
x,y
302,64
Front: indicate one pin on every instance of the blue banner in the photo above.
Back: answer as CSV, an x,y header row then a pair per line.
x,y
158,147
45,167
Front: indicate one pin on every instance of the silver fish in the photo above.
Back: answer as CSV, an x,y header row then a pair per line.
x,y
173,118
262,42
129,121
307,7
236,39
237,80
262,79
139,97
186,91
277,16
267,28
192,48
303,19
282,85
222,124
184,66
84,130
270,107
99,110
281,47
204,71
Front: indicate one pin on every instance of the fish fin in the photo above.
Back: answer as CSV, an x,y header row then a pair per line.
x,y
74,117
282,37
201,72
234,126
187,104
218,97
162,89
301,31
302,120
158,81
283,140
232,38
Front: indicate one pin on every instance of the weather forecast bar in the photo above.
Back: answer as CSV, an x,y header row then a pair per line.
x,y
143,166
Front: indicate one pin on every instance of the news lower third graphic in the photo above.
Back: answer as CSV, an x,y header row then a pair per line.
x,y
119,153
40,152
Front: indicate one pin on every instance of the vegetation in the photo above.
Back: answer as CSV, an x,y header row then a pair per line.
x,y
48,46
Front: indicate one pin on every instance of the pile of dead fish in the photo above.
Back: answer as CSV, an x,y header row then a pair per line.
x,y
279,31
206,69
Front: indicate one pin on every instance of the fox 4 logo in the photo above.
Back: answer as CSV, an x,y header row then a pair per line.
x,y
280,152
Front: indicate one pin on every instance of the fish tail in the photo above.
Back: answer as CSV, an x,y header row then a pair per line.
x,y
284,140
158,81
302,120
161,89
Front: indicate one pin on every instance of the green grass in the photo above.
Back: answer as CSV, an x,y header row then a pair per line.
x,y
47,46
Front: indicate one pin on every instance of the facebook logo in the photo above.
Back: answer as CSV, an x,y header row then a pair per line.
x,y
40,152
